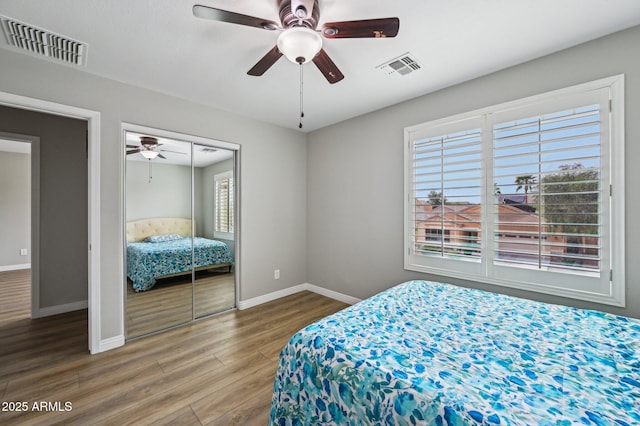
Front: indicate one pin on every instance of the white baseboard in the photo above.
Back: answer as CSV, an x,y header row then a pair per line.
x,y
111,343
249,303
61,309
15,267
332,294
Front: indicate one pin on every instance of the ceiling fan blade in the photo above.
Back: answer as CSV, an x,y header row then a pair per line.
x,y
162,156
132,151
374,28
133,146
207,12
327,67
266,62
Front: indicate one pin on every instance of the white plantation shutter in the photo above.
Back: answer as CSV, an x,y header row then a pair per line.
x,y
224,196
521,194
447,184
548,169
230,202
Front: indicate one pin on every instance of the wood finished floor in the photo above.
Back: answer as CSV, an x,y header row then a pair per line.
x,y
170,301
217,371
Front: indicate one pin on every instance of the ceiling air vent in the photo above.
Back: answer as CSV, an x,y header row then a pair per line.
x,y
43,42
207,149
402,65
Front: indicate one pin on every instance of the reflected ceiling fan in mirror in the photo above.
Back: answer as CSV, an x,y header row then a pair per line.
x,y
300,39
149,148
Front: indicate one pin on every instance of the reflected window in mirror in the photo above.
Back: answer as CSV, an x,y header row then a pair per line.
x,y
224,193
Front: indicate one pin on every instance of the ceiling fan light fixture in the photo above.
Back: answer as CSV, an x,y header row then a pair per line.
x,y
149,154
299,44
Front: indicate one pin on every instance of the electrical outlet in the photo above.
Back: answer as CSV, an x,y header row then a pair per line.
x,y
276,274
24,252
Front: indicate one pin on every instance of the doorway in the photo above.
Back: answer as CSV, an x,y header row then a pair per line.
x,y
92,209
18,191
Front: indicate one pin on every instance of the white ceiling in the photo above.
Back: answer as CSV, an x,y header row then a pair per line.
x,y
160,45
178,152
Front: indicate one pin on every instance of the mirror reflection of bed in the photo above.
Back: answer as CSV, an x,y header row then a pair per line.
x,y
160,257
180,248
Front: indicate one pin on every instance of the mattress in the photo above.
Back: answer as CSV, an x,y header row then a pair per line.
x,y
432,353
147,261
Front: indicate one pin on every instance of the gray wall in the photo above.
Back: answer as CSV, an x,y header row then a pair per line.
x,y
273,168
63,201
348,177
208,192
355,171
15,208
167,195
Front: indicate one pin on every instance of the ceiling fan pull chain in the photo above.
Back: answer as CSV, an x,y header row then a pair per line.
x,y
150,177
301,99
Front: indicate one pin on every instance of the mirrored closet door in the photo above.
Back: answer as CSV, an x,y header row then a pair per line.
x,y
214,205
180,232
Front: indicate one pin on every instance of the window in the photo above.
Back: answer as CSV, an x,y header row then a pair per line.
x,y
224,202
547,169
527,194
448,182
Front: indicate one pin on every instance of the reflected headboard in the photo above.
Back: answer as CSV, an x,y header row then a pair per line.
x,y
138,230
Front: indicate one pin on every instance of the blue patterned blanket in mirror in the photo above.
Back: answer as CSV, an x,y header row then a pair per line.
x,y
147,261
435,354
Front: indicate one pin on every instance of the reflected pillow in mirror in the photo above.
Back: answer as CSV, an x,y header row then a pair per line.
x,y
162,238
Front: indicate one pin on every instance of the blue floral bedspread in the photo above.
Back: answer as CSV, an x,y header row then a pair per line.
x,y
148,261
434,354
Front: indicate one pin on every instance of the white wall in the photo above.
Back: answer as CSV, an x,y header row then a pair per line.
x,y
355,171
15,208
273,167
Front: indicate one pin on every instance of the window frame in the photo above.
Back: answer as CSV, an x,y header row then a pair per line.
x,y
609,291
223,235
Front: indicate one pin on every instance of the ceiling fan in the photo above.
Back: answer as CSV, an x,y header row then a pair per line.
x,y
149,148
301,39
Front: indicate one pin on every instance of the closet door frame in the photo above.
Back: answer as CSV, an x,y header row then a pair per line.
x,y
192,139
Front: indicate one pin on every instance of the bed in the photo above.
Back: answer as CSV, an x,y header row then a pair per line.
x,y
434,354
161,247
